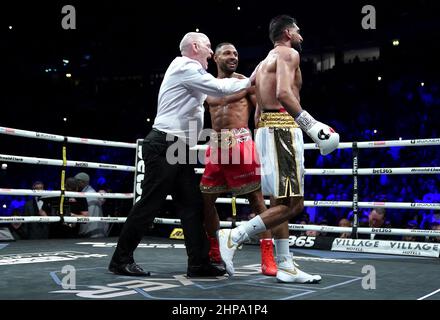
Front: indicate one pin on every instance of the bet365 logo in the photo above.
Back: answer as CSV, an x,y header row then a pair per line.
x,y
302,241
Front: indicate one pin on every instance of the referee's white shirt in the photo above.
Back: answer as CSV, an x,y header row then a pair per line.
x,y
184,88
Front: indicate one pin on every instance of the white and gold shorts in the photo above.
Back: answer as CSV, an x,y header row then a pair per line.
x,y
280,146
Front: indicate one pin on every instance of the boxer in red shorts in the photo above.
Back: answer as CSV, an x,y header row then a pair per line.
x,y
231,163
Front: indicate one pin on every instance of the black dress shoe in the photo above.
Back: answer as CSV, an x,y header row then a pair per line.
x,y
205,270
128,269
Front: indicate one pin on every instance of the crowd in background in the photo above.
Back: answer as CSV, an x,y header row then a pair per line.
x,y
363,101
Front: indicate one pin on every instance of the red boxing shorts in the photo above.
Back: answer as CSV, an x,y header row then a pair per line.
x,y
231,163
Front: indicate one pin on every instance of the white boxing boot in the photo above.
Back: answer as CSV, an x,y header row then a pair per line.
x,y
227,249
288,272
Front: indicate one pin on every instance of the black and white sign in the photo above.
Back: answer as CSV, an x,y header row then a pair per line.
x,y
39,257
421,249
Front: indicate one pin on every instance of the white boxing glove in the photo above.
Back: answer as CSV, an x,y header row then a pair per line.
x,y
324,136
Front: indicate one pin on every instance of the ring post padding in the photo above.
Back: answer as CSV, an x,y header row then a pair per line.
x,y
234,211
63,178
355,206
139,172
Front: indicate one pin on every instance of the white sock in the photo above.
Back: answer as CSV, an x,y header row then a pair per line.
x,y
282,247
248,229
282,252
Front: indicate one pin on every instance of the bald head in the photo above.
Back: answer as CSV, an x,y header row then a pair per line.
x,y
196,46
188,39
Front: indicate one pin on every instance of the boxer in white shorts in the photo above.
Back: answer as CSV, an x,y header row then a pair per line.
x,y
280,118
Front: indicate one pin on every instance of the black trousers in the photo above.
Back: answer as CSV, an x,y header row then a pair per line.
x,y
161,179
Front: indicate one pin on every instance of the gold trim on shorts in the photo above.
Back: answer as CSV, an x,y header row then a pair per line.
x,y
248,188
214,189
276,120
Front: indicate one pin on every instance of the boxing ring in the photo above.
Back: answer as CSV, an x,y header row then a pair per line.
x,y
351,268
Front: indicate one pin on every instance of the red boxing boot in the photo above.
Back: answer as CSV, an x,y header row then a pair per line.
x,y
214,251
268,265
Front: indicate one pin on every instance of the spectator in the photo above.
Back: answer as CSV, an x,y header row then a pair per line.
x,y
108,210
435,226
376,219
17,230
71,207
323,222
33,208
347,224
362,217
432,196
91,229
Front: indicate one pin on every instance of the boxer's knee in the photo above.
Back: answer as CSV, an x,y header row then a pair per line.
x,y
256,201
209,202
296,206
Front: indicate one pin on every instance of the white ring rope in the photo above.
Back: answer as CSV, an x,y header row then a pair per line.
x,y
29,192
387,231
373,171
51,219
225,224
307,203
366,144
307,146
70,163
365,171
329,229
29,219
98,195
313,172
345,204
55,137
